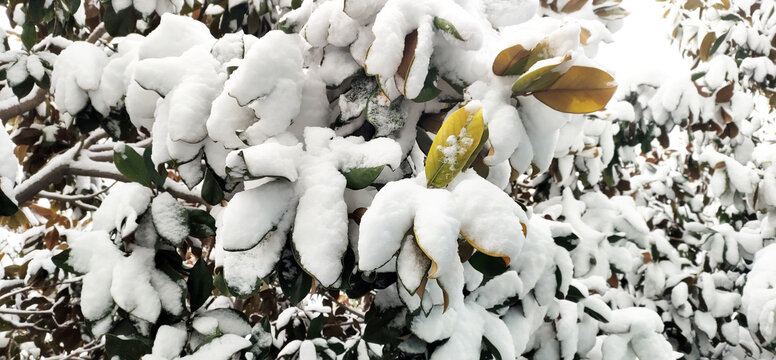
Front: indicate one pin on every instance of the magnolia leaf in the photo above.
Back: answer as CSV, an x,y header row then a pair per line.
x,y
705,49
410,43
540,78
29,35
125,349
573,5
200,284
511,61
580,90
448,27
453,145
132,165
480,249
429,91
487,265
412,265
7,206
432,274
360,178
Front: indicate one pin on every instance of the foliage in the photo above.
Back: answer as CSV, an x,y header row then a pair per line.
x,y
342,179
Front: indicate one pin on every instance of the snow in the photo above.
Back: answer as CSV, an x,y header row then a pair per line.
x,y
122,207
245,226
77,75
220,348
131,287
94,254
170,218
169,342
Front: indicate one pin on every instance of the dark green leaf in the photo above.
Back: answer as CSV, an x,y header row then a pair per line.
x,y
211,190
300,289
29,35
200,285
125,349
429,91
574,294
491,348
44,82
21,90
60,260
35,12
156,177
717,44
596,315
568,242
7,207
315,327
360,178
487,265
121,23
201,223
132,165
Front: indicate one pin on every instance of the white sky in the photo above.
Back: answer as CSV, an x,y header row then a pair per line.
x,y
642,51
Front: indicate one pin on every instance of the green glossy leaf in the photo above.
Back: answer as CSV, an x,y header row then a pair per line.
x,y
29,35
132,165
119,23
429,91
448,27
35,11
200,285
21,90
125,349
7,207
487,265
360,178
201,223
60,260
211,190
315,327
157,177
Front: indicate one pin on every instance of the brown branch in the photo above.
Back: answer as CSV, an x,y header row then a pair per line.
x,y
28,103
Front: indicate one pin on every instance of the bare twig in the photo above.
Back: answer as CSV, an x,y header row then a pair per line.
x,y
350,309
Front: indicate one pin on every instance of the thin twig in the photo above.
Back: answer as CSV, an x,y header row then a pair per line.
x,y
350,309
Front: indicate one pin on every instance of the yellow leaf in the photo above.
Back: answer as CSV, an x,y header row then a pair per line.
x,y
434,267
573,5
453,145
511,61
579,90
584,35
540,78
706,43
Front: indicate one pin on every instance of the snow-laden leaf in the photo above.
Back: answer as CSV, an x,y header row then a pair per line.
x,y
453,145
121,209
244,270
385,222
412,266
253,213
171,219
436,229
490,220
385,115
